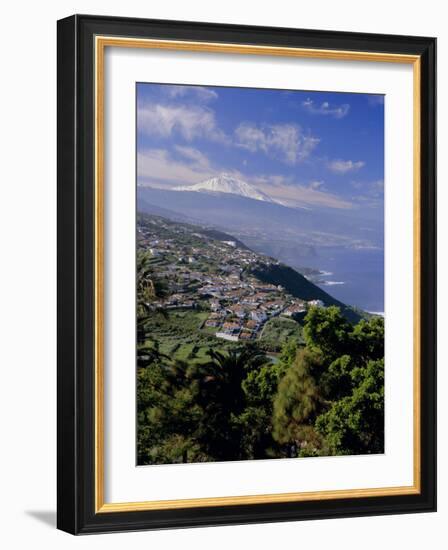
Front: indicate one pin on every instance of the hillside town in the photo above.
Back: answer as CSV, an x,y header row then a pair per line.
x,y
211,272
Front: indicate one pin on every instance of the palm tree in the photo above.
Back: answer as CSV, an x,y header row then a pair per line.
x,y
222,398
149,288
149,352
224,374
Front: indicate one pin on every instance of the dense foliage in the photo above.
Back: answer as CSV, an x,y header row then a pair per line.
x,y
323,395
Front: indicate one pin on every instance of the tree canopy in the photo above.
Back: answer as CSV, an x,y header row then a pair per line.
x,y
331,399
324,397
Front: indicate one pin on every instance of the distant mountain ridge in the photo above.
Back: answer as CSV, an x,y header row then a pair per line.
x,y
229,184
244,215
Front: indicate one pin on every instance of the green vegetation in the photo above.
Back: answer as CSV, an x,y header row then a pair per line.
x,y
331,399
240,357
324,396
179,334
279,330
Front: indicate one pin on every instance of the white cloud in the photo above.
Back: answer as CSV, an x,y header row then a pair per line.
x,y
158,168
316,184
378,185
189,121
283,141
200,92
325,108
193,155
289,192
344,166
370,192
375,100
356,184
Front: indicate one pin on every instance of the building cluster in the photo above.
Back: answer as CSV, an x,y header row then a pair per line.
x,y
214,275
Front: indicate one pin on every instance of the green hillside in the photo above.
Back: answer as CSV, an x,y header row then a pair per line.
x,y
297,285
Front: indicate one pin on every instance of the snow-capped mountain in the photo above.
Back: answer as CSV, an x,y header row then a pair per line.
x,y
226,183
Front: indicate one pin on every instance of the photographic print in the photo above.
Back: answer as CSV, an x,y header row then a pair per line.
x,y
260,274
245,225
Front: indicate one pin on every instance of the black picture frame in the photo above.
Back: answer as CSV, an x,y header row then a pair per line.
x,y
76,256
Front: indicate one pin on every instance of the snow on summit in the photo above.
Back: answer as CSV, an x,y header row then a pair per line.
x,y
226,183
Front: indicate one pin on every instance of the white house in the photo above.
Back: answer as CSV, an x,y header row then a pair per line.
x,y
316,303
258,315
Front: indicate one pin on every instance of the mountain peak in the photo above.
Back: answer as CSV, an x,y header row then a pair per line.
x,y
227,183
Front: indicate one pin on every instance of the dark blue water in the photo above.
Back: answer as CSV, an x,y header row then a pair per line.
x,y
358,274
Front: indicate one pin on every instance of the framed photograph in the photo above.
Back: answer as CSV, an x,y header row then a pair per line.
x,y
246,274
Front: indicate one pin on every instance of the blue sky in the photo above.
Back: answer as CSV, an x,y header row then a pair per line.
x,y
312,149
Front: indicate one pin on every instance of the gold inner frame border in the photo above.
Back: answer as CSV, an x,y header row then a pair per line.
x,y
101,42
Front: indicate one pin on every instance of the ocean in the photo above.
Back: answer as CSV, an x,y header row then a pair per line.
x,y
353,276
